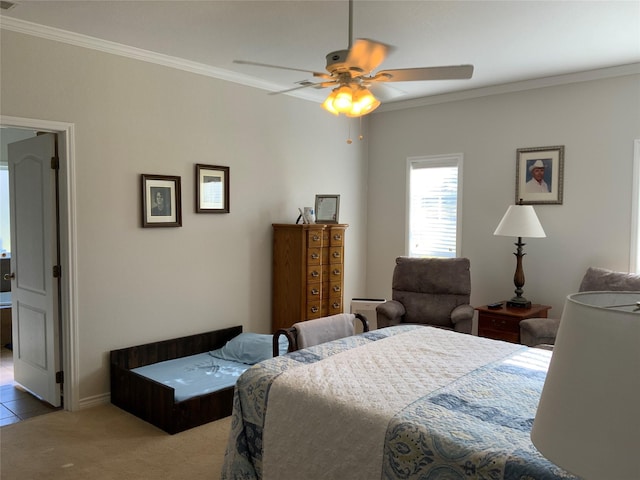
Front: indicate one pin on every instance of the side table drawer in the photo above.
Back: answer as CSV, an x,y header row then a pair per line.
x,y
499,328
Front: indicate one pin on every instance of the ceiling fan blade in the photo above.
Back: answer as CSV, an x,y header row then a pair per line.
x,y
257,64
385,92
306,85
365,55
452,72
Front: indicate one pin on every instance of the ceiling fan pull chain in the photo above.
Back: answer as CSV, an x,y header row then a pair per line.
x,y
360,137
349,141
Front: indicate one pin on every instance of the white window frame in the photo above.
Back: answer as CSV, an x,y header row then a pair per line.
x,y
430,161
634,265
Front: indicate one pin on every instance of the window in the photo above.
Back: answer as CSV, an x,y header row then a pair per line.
x,y
434,199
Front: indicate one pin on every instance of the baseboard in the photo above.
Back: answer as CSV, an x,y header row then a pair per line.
x,y
94,401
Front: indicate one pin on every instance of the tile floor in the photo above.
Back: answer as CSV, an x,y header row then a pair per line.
x,y
15,403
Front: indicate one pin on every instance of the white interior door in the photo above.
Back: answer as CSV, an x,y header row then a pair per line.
x,y
34,290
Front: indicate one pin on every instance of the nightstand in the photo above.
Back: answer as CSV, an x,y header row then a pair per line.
x,y
504,323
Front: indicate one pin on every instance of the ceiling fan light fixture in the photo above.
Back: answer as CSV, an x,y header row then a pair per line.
x,y
353,101
343,99
363,102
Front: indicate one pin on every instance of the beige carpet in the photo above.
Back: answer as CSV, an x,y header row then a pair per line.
x,y
107,443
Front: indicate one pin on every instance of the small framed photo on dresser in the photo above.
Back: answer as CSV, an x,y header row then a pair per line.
x,y
327,208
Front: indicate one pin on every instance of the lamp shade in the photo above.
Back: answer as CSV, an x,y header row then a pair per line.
x,y
520,221
588,418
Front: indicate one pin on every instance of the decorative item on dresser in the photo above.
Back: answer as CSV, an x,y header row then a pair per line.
x,y
503,322
308,272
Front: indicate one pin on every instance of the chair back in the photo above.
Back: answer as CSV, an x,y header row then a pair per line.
x,y
319,330
603,280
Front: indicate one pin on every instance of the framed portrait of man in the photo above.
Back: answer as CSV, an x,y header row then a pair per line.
x,y
539,175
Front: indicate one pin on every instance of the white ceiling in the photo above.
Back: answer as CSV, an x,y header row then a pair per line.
x,y
506,41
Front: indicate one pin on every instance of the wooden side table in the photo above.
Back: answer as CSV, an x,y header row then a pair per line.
x,y
504,323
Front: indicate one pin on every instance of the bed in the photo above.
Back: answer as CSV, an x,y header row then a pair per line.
x,y
402,402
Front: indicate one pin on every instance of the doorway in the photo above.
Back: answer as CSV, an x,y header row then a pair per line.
x,y
68,308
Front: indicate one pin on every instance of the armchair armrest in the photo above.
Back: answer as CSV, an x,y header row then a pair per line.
x,y
462,318
389,313
537,331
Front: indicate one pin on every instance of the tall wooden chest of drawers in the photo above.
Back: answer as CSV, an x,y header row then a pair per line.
x,y
308,272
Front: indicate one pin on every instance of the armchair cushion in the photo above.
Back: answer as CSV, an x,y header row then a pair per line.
x,y
537,331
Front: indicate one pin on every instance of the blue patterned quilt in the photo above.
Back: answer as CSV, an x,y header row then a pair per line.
x,y
475,426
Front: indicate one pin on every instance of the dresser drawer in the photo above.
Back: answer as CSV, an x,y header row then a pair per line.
x,y
335,254
314,273
314,255
335,290
314,291
314,238
337,237
313,310
335,273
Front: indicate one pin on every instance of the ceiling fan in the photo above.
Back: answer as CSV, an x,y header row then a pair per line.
x,y
351,75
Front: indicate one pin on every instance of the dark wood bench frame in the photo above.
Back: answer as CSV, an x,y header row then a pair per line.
x,y
154,402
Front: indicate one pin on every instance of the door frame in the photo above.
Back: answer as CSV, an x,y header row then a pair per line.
x,y
68,252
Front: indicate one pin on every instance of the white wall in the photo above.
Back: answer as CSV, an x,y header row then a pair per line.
x,y
596,121
138,285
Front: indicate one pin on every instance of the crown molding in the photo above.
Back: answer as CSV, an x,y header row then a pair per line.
x,y
85,41
617,71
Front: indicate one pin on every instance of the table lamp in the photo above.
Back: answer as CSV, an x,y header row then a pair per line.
x,y
588,418
519,221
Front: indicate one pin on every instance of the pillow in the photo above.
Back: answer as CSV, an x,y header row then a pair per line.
x,y
250,348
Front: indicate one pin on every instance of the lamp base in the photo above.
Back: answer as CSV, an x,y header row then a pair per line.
x,y
518,302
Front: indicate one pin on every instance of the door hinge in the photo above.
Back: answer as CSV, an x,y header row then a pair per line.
x,y
60,377
55,163
57,271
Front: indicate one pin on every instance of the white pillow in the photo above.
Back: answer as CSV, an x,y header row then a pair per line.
x,y
250,348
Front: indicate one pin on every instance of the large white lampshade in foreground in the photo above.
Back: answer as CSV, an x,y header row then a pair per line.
x,y
588,419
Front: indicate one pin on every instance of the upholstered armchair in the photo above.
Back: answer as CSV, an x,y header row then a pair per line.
x,y
542,331
430,291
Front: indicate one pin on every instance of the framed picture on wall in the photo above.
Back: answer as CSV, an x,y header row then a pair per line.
x,y
540,175
327,208
161,201
212,189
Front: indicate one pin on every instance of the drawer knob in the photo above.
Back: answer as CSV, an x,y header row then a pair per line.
x,y
337,236
335,305
314,309
336,271
316,238
336,288
315,273
315,291
336,254
315,256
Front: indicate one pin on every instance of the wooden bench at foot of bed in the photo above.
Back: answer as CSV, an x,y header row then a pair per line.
x,y
155,402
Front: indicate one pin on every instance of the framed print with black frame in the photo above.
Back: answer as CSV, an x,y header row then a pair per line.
x,y
540,175
212,189
161,201
327,208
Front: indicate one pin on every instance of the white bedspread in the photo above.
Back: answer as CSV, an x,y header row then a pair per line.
x,y
360,389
